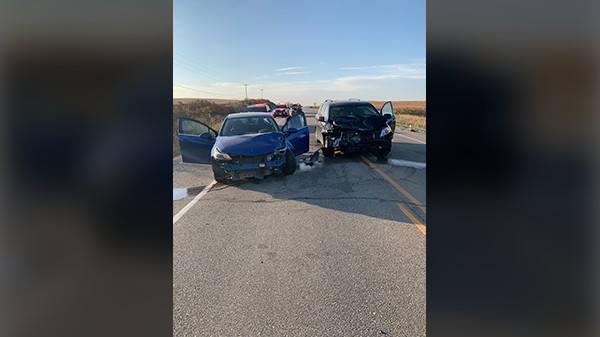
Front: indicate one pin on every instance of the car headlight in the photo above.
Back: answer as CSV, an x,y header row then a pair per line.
x,y
218,155
385,132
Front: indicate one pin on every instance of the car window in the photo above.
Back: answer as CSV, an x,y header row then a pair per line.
x,y
296,121
191,127
247,126
352,110
326,112
319,112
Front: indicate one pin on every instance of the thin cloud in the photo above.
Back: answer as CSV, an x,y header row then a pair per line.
x,y
288,68
417,70
261,77
293,73
355,68
226,84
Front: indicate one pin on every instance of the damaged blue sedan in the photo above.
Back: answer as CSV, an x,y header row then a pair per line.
x,y
248,145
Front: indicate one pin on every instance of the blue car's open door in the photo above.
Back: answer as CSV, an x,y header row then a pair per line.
x,y
299,139
194,148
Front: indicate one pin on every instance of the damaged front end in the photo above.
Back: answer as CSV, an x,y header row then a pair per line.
x,y
235,167
359,136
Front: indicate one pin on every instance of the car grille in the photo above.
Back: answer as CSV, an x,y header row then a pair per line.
x,y
357,137
241,160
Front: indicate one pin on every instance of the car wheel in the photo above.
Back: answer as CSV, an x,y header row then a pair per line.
x,y
383,153
290,163
328,152
218,172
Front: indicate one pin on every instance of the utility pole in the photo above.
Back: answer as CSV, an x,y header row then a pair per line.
x,y
261,94
245,85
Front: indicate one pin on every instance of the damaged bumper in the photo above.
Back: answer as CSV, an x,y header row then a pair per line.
x,y
377,145
245,167
350,142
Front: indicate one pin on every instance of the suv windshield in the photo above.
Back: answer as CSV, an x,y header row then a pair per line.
x,y
336,112
260,108
247,126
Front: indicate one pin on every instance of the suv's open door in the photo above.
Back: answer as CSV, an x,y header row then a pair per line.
x,y
194,141
388,110
300,138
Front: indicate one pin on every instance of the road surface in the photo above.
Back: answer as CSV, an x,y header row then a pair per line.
x,y
336,249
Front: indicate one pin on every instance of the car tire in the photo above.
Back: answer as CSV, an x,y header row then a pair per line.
x,y
328,152
383,153
290,163
218,172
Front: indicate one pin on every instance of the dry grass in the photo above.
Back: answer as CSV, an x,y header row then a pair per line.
x,y
409,114
212,100
416,108
410,121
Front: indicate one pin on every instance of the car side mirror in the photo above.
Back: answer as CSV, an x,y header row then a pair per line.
x,y
388,116
206,136
291,130
321,118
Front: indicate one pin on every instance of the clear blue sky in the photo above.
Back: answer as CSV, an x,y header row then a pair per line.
x,y
299,51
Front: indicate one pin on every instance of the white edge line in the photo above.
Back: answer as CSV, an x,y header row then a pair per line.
x,y
416,140
188,206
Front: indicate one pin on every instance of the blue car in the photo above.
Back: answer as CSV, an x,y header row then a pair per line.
x,y
249,145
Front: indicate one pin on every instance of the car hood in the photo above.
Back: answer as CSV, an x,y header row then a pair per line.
x,y
370,123
250,145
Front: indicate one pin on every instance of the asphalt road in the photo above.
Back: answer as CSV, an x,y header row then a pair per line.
x,y
336,249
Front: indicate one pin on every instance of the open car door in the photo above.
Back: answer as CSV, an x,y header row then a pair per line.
x,y
388,111
196,140
300,138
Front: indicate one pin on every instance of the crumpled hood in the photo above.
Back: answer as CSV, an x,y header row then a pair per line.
x,y
250,145
371,123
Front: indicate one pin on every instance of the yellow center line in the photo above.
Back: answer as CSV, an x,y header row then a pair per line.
x,y
413,218
395,184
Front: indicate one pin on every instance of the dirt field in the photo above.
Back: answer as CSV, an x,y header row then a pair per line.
x,y
417,108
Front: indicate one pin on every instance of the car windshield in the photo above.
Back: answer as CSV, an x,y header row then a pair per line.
x,y
336,112
249,125
261,108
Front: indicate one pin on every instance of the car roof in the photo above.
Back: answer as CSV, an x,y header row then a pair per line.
x,y
349,103
249,115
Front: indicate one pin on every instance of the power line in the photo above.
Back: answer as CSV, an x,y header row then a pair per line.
x,y
206,92
228,78
203,72
194,71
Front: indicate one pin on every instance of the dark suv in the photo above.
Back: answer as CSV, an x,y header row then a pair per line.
x,y
355,126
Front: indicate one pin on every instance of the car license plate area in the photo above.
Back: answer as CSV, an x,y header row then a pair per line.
x,y
247,174
253,166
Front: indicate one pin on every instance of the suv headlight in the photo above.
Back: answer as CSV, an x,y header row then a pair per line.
x,y
218,155
385,132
